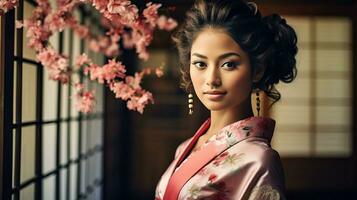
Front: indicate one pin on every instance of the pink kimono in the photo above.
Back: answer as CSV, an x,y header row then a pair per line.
x,y
236,163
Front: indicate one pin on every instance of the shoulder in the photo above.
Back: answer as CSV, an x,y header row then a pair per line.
x,y
270,160
259,151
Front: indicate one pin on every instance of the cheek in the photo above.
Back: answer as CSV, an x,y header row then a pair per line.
x,y
195,78
240,85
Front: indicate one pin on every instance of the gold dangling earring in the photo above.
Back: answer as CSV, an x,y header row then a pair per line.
x,y
190,104
258,101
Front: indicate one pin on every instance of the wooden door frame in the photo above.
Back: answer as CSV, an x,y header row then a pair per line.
x,y
6,85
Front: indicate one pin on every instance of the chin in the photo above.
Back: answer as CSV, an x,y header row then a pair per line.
x,y
214,106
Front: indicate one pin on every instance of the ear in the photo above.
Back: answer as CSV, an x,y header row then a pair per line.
x,y
258,73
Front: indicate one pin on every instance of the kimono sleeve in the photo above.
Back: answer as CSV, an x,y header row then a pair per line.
x,y
270,183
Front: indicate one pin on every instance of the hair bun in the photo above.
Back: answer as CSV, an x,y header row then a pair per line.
x,y
284,47
253,7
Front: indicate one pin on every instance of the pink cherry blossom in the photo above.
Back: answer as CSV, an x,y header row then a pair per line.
x,y
127,11
128,41
113,70
81,60
58,75
61,63
159,72
117,6
134,81
94,45
165,23
108,72
6,5
37,35
78,87
139,102
85,100
112,50
122,90
141,45
56,64
81,31
131,14
150,13
99,4
18,24
47,56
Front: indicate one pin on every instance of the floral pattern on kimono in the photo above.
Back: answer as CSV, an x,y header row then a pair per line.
x,y
246,168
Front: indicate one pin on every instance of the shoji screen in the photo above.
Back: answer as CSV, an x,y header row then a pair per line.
x,y
314,116
56,151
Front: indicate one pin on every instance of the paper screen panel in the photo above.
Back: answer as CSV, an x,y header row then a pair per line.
x,y
64,101
63,189
333,88
83,184
27,153
74,140
99,95
301,26
333,115
74,112
73,182
49,98
28,193
48,188
66,42
95,133
48,148
338,60
292,143
50,87
333,29
333,144
64,145
99,161
85,132
29,92
286,114
27,52
303,62
300,88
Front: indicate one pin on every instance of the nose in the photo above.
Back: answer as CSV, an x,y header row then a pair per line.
x,y
213,78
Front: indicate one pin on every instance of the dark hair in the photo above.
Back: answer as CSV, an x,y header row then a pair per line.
x,y
269,41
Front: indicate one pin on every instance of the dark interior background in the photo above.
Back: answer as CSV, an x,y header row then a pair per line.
x,y
140,147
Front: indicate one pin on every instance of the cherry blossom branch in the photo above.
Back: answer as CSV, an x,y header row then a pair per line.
x,y
117,15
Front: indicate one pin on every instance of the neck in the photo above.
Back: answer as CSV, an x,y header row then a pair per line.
x,y
222,118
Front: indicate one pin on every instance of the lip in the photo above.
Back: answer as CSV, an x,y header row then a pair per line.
x,y
214,92
215,95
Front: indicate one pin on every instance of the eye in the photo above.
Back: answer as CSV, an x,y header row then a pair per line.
x,y
230,65
199,65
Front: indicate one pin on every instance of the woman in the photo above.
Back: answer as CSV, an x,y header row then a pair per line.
x,y
227,51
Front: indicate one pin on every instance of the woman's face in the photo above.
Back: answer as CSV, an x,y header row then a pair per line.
x,y
220,70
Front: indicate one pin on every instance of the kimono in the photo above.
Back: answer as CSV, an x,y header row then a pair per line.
x,y
235,163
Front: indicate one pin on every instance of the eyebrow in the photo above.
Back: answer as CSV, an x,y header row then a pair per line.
x,y
220,57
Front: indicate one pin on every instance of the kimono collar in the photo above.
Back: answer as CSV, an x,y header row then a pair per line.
x,y
257,126
228,136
